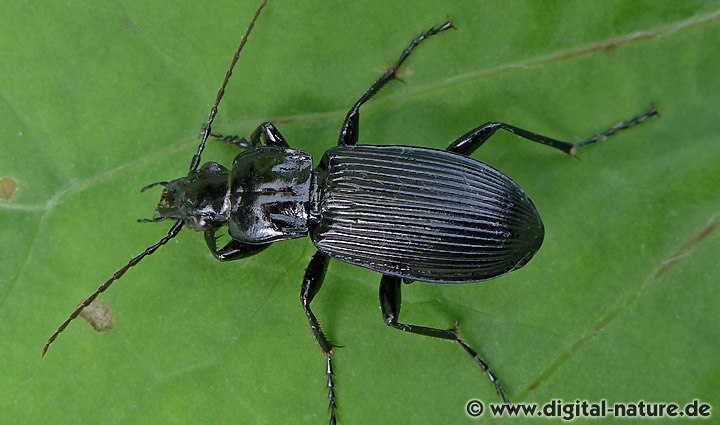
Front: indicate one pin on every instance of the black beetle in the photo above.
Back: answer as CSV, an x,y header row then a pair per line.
x,y
410,213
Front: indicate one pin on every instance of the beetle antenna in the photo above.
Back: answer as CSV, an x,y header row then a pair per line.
x,y
178,224
117,275
213,111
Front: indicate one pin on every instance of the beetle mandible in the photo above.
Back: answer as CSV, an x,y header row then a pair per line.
x,y
410,213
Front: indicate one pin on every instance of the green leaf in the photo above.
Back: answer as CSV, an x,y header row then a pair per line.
x,y
98,99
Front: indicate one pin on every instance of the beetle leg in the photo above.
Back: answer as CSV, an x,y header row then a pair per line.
x,y
270,135
312,282
351,126
233,250
470,141
390,300
266,134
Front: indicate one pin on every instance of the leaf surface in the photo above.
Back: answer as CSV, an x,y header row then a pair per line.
x,y
99,99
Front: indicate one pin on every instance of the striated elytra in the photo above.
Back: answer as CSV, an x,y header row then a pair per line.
x,y
423,214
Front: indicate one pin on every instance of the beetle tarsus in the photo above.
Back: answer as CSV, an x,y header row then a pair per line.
x,y
485,367
623,125
332,402
232,140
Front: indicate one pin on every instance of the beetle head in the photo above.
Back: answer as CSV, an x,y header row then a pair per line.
x,y
197,199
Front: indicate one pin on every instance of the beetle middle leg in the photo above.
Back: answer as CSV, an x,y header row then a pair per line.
x,y
351,126
266,134
312,282
470,141
390,300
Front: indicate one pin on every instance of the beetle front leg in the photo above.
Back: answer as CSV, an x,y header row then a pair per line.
x,y
233,250
470,141
312,282
266,134
390,300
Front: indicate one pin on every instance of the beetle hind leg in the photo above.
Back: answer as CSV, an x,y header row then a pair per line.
x,y
390,300
312,282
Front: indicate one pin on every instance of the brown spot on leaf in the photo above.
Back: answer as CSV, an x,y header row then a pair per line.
x,y
8,188
99,316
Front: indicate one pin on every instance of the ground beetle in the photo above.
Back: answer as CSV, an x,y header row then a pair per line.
x,y
409,213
